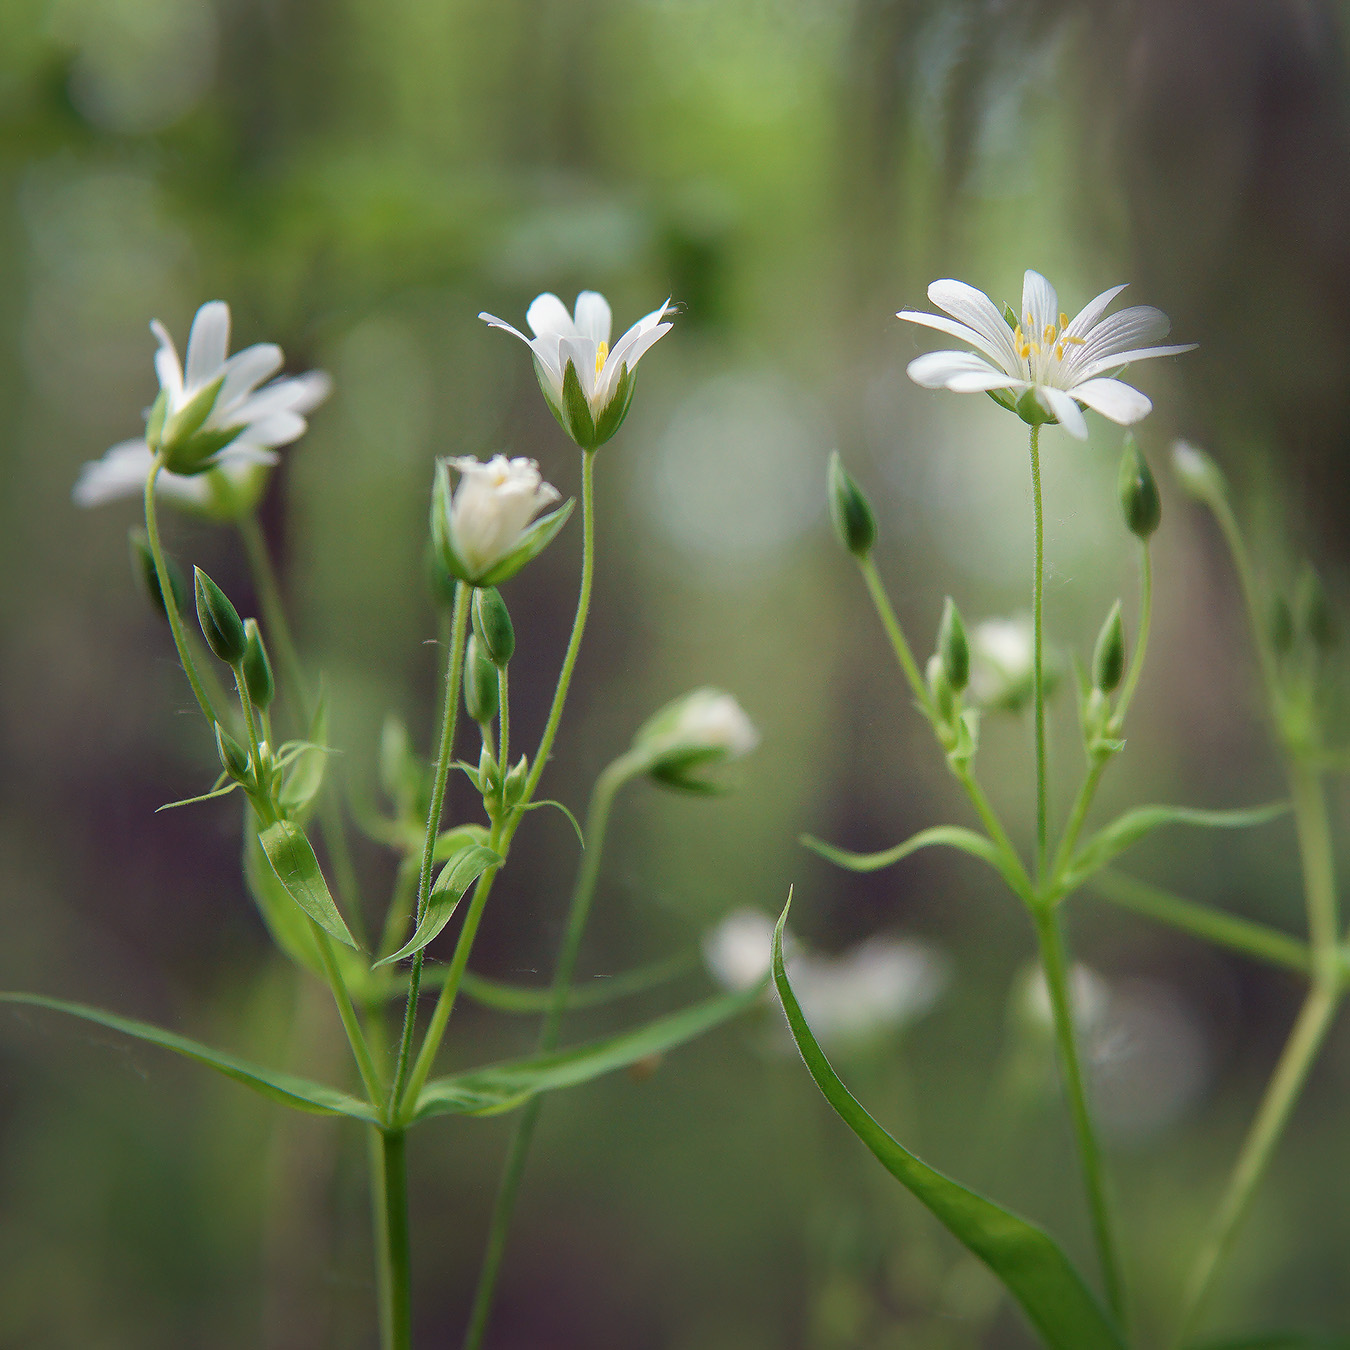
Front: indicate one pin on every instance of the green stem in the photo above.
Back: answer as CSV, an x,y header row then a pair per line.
x,y
1077,818
351,1024
1212,925
1314,1020
1247,581
1038,659
994,828
1319,875
379,1219
504,724
1054,963
166,591
899,645
454,662
395,1254
621,771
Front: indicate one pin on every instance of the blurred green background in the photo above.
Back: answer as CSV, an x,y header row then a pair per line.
x,y
359,179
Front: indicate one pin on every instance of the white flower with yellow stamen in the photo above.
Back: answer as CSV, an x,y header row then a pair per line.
x,y
1043,364
587,383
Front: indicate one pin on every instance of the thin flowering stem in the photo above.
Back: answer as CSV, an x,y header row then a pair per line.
x,y
895,633
1038,653
351,1024
454,663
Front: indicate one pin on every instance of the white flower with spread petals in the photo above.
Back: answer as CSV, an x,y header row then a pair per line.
x,y
210,419
486,531
1043,364
587,384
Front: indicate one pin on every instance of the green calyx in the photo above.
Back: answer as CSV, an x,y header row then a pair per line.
x,y
953,648
1108,657
480,683
492,625
222,627
182,439
587,428
852,515
257,668
1138,492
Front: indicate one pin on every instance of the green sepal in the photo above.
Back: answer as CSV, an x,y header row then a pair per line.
x,y
1032,411
532,543
154,420
851,513
143,560
967,729
1138,491
545,388
221,625
258,677
480,682
1010,317
611,419
292,858
1108,656
233,757
513,786
953,646
492,624
184,446
463,869
302,1094
686,771
580,423
305,779
1004,398
1028,1262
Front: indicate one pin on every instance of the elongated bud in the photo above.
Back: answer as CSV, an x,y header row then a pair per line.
x,y
258,678
1281,626
953,647
1198,475
1139,500
492,625
515,780
480,683
222,627
1315,619
1108,660
233,756
143,560
939,686
853,520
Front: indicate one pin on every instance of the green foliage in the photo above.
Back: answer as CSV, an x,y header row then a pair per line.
x,y
292,858
462,870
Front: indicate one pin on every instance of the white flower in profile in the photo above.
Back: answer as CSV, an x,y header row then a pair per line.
x,y
691,738
486,531
739,950
593,400
209,415
1043,364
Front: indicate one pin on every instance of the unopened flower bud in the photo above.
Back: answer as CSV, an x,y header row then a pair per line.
x,y
952,647
222,627
492,625
689,739
144,562
1108,659
515,780
1281,626
854,522
257,668
1315,618
1138,492
233,756
480,683
939,686
1197,473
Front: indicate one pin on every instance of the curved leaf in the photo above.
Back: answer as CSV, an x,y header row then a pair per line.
x,y
502,1087
519,998
292,858
456,877
953,836
300,1093
1026,1259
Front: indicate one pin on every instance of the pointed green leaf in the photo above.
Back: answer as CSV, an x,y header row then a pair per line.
x,y
285,920
1027,1260
580,422
300,1093
205,797
456,877
572,820
518,998
532,543
953,836
292,858
502,1087
1113,839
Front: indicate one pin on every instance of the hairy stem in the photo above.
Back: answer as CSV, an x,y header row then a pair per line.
x,y
1038,654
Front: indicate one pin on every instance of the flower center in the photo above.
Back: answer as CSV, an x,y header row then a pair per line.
x,y
601,352
1051,339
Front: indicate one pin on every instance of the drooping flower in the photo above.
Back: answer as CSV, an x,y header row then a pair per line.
x,y
1001,664
485,530
210,416
1040,363
691,739
587,384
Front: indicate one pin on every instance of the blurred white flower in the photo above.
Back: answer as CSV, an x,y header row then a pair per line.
x,y
228,489
1046,364
1089,995
581,340
737,952
490,518
699,732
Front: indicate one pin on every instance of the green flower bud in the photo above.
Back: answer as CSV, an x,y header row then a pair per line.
x,y
853,519
689,743
953,648
143,560
1315,618
1281,626
480,683
515,780
257,668
233,756
222,627
944,697
1198,475
1108,659
1138,492
492,625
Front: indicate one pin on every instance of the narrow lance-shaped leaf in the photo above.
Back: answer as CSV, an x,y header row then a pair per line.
x,y
300,1093
1027,1260
502,1087
456,877
953,836
292,858
519,998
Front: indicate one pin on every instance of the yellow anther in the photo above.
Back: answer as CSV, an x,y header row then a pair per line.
x,y
601,352
1029,322
1024,351
1049,333
1059,351
1063,319
1075,341
1035,347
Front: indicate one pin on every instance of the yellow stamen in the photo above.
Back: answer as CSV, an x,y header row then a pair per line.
x,y
601,352
1024,351
1049,333
1029,321
1075,341
1036,347
1059,352
1063,319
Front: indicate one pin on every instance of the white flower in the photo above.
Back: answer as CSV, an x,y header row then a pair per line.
x,y
604,375
1001,657
713,719
1089,995
739,950
1055,361
701,731
487,530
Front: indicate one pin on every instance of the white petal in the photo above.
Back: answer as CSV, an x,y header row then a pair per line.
x,y
168,370
1041,303
278,428
244,371
1082,322
548,314
629,351
493,321
1069,414
976,310
651,320
311,389
937,370
120,473
994,351
1115,400
593,319
208,341
545,351
1118,359
243,454
1137,326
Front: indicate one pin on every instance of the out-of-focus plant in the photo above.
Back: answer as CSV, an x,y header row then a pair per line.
x,y
210,439
1041,365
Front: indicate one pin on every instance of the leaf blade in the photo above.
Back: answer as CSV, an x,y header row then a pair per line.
x,y
292,858
458,874
952,836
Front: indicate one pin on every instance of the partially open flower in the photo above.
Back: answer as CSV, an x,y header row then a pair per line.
x,y
1040,363
209,416
688,741
1001,669
486,531
587,384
